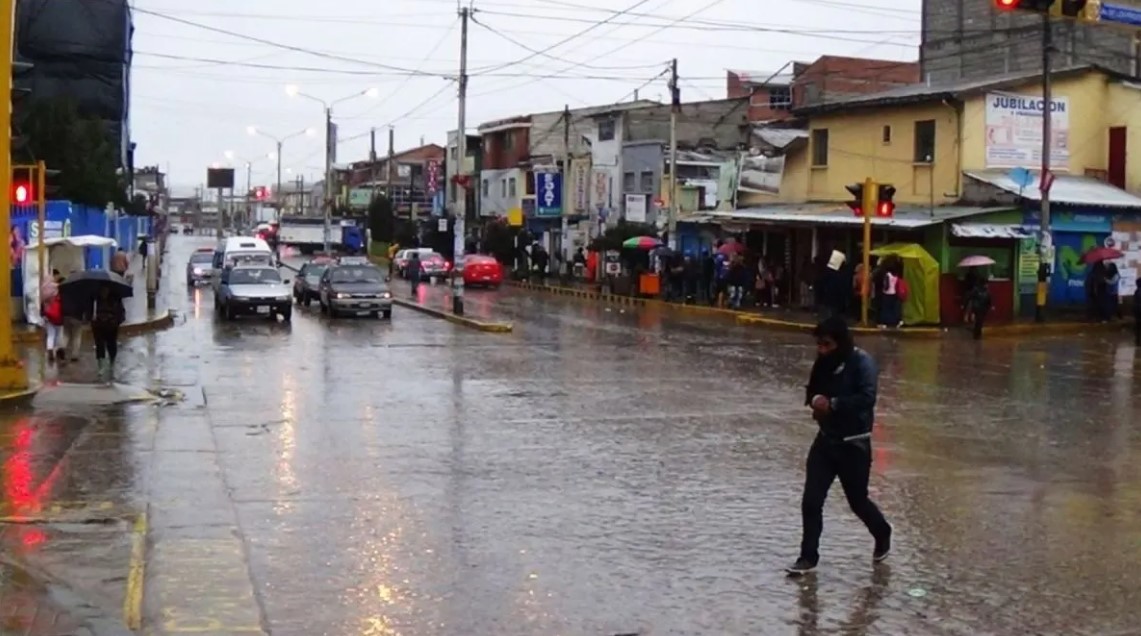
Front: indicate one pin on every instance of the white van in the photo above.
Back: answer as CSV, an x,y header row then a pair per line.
x,y
242,249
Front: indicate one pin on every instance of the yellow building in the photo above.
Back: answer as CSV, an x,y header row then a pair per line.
x,y
922,138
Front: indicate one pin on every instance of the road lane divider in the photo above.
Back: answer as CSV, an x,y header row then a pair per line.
x,y
471,323
136,575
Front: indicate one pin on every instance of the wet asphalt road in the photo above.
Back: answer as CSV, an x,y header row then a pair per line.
x,y
598,471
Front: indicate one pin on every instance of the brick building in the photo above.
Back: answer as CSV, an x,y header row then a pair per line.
x,y
971,39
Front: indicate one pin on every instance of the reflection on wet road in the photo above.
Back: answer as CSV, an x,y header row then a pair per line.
x,y
598,471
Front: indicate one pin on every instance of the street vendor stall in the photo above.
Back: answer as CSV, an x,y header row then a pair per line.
x,y
66,254
921,271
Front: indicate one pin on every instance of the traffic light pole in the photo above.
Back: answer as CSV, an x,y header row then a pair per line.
x,y
1044,238
871,202
13,376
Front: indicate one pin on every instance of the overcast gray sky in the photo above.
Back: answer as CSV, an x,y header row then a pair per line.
x,y
205,71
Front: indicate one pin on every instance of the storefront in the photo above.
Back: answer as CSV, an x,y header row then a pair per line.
x,y
1074,232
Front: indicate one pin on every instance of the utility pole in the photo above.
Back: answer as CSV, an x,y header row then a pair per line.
x,y
249,203
277,193
566,181
391,177
329,196
372,161
461,185
1045,242
675,100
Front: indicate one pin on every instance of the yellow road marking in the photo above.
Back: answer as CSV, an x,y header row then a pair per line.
x,y
136,576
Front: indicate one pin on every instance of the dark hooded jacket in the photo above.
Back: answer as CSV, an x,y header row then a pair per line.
x,y
848,377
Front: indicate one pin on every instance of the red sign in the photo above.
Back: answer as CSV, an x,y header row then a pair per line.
x,y
433,176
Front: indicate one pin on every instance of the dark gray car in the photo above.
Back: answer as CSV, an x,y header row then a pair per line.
x,y
355,289
200,267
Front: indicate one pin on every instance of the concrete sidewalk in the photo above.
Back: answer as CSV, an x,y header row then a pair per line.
x,y
30,607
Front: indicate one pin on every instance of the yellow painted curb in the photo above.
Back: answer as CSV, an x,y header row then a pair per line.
x,y
136,575
19,398
479,325
163,321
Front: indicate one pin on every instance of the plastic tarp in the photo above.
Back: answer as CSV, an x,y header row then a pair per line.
x,y
921,271
67,254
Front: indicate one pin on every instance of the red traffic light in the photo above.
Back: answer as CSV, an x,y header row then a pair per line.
x,y
22,193
1006,5
886,209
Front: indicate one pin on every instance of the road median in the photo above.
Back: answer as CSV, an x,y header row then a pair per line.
x,y
471,323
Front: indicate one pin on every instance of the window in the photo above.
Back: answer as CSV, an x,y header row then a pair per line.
x,y
647,184
486,187
925,141
529,183
820,147
886,135
503,188
606,130
780,97
508,140
511,187
629,181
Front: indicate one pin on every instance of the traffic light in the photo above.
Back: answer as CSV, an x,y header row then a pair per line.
x,y
23,192
1073,8
21,76
1061,8
886,207
1038,6
857,202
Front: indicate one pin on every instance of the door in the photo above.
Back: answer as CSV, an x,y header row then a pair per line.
x,y
1116,161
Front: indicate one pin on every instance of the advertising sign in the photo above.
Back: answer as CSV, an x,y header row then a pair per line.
x,y
1014,131
360,197
548,194
760,173
433,170
580,186
636,208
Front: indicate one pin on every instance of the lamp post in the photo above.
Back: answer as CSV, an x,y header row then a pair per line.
x,y
249,164
330,144
280,141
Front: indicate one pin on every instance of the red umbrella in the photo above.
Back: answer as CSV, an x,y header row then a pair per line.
x,y
730,248
1098,254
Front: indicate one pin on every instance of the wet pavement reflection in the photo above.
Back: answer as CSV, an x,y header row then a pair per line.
x,y
601,470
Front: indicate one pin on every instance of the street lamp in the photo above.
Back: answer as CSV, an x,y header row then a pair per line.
x,y
248,163
294,90
254,131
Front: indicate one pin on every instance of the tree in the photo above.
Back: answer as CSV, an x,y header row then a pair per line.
x,y
79,147
381,222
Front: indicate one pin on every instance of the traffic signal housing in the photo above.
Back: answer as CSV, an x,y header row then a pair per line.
x,y
23,192
885,208
261,193
857,202
1061,8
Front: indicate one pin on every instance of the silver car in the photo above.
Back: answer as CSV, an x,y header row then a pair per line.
x,y
200,267
253,290
355,289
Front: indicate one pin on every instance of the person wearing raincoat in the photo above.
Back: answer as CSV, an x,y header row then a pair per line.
x,y
51,309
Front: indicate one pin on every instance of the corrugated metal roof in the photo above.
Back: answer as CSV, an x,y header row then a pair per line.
x,y
991,231
779,137
1067,189
839,214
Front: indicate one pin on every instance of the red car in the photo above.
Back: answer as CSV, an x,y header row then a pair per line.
x,y
481,270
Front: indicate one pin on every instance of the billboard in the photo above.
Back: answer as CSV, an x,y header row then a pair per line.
x,y
220,178
759,173
1014,131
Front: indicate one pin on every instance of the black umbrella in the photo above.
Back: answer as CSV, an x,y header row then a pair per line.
x,y
89,282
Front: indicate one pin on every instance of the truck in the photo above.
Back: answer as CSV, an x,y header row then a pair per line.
x,y
307,234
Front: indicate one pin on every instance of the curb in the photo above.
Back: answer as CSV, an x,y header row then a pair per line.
x,y
742,318
164,320
20,399
479,325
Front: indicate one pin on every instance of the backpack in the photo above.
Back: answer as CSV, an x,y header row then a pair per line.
x,y
53,311
902,289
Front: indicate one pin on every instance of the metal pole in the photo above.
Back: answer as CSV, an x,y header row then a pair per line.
x,y
41,217
566,187
249,202
871,202
328,175
218,223
1044,238
277,194
461,187
675,98
12,373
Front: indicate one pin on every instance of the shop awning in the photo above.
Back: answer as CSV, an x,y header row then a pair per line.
x,y
990,231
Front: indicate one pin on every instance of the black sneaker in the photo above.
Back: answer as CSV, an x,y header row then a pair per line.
x,y
883,546
801,567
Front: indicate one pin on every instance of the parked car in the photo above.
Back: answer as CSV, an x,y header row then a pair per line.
x,y
480,269
402,257
434,265
200,267
305,286
252,289
356,289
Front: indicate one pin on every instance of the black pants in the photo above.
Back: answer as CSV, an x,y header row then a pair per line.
x,y
980,318
852,463
106,341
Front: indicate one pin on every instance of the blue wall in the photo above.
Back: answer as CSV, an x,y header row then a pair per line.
x,y
63,217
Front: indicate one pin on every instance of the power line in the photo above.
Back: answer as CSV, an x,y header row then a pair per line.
x,y
404,83
556,58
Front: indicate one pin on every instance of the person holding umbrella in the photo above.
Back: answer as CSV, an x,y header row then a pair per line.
x,y
98,295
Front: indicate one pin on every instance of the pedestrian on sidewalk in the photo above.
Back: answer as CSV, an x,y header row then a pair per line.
x,y
977,305
51,309
107,316
842,394
120,262
414,271
76,309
